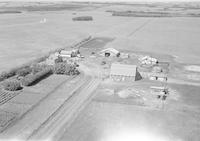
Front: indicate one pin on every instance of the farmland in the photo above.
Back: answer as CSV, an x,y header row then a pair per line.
x,y
114,115
91,106
24,36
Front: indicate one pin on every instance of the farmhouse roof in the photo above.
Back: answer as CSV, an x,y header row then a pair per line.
x,y
65,52
158,88
123,69
110,50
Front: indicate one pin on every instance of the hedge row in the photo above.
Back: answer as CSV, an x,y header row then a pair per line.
x,y
24,71
33,78
12,85
5,75
83,18
141,14
33,74
38,68
21,71
64,68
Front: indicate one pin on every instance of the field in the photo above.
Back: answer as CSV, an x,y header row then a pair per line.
x,y
140,116
109,117
28,35
40,28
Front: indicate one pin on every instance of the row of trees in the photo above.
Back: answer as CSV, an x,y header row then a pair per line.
x,y
28,76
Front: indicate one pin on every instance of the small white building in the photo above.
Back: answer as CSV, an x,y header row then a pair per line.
x,y
65,53
157,69
123,72
147,60
110,52
158,76
159,90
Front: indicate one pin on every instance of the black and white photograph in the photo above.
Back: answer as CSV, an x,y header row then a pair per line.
x,y
99,70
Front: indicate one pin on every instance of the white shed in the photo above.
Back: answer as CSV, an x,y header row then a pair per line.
x,y
65,53
109,52
158,76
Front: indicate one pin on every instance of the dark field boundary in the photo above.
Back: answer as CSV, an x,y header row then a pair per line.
x,y
152,14
10,12
46,7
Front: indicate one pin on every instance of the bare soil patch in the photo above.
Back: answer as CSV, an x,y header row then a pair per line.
x,y
193,68
108,115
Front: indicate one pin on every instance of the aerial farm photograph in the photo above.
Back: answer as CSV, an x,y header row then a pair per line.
x,y
106,70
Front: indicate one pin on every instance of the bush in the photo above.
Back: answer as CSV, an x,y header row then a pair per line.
x,y
33,78
12,85
64,68
5,75
28,80
61,68
73,70
58,60
103,62
83,18
24,71
37,68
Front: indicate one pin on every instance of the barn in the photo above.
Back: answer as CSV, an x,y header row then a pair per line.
x,y
124,72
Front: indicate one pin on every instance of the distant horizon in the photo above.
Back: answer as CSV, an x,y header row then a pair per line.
x,y
109,1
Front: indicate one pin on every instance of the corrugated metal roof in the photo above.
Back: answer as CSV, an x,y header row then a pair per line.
x,y
65,52
110,50
123,69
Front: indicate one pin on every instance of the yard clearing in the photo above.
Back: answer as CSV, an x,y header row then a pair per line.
x,y
108,119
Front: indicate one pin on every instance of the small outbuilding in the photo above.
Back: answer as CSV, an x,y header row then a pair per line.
x,y
147,60
110,52
65,53
158,76
157,69
69,53
123,72
158,89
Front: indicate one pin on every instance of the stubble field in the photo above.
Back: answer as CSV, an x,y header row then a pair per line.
x,y
28,35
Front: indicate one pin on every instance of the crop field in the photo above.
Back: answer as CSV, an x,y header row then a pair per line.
x,y
28,35
6,95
